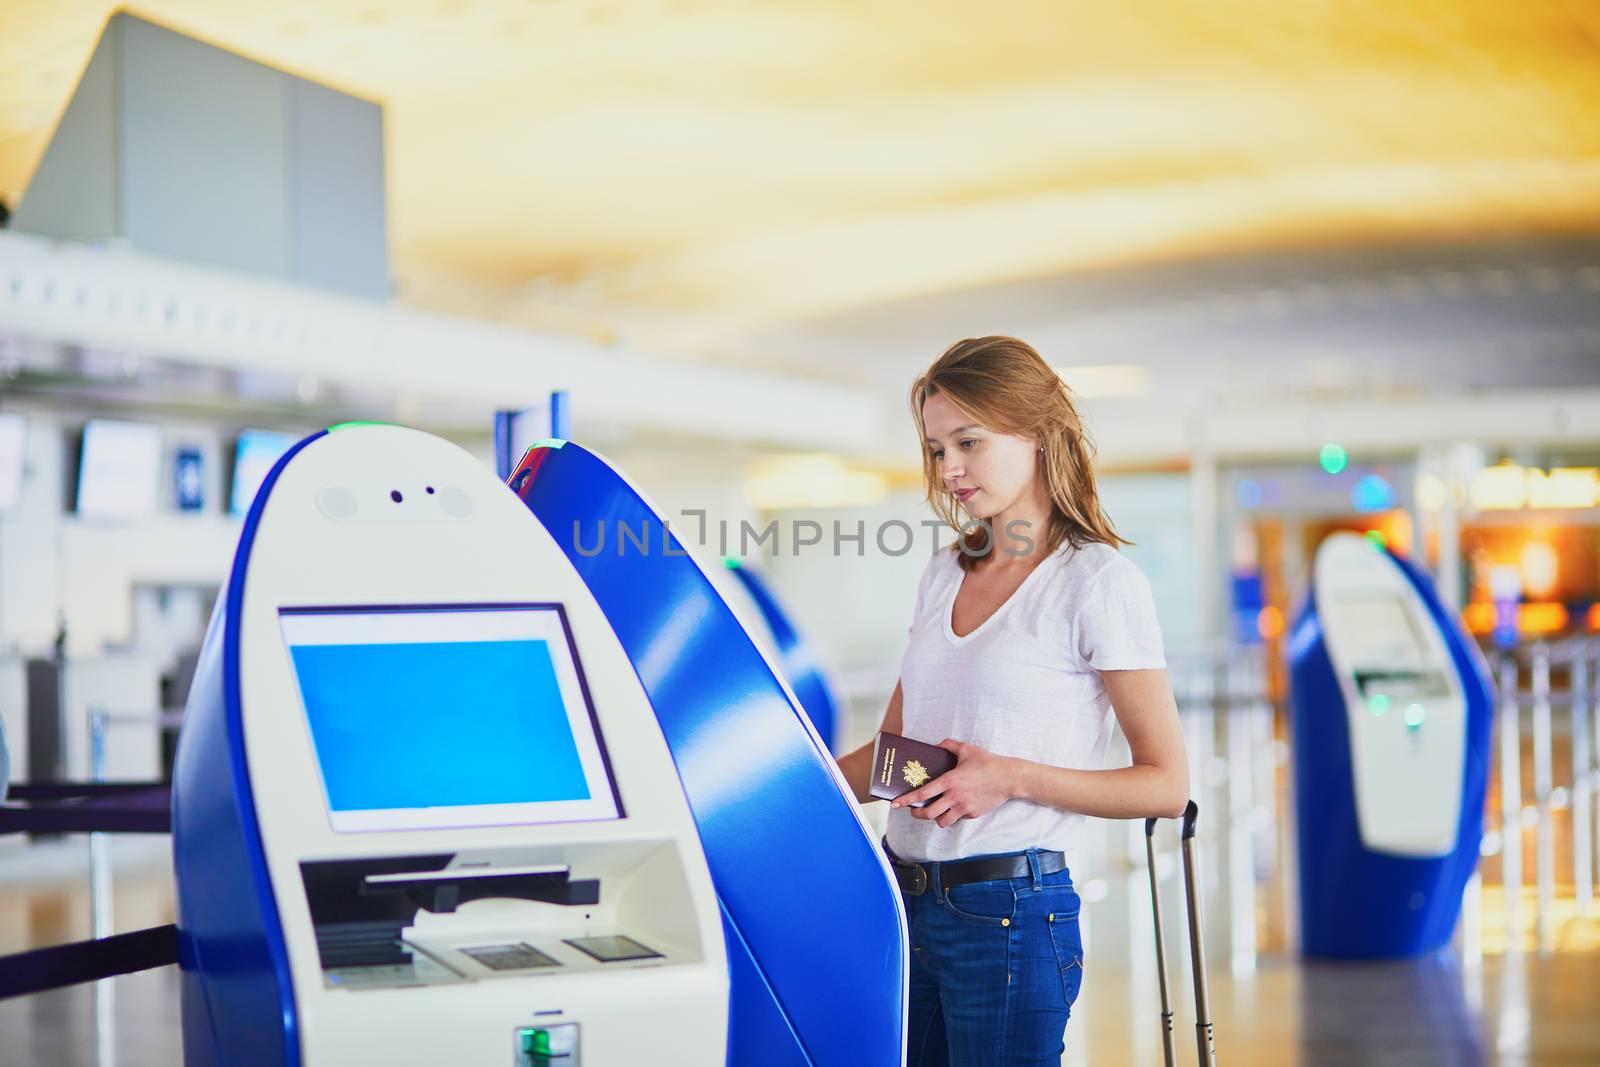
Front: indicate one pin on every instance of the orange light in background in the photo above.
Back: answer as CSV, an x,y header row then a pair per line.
x,y
1402,532
1393,530
1594,618
1542,618
1539,568
1269,622
1534,620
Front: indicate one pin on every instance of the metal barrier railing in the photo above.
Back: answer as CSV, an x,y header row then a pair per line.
x,y
101,889
1549,713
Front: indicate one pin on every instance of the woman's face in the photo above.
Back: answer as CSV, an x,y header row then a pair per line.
x,y
988,471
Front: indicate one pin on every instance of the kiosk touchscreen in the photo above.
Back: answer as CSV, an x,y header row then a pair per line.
x,y
439,716
1390,730
423,812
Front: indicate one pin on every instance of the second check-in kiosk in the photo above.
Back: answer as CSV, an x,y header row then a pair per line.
x,y
1390,729
423,812
817,947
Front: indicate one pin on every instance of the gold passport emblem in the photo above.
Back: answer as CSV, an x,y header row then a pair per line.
x,y
915,773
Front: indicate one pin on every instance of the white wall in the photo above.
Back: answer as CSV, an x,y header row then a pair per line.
x,y
1156,512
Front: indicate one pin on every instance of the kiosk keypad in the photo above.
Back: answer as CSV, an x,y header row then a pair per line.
x,y
517,957
613,949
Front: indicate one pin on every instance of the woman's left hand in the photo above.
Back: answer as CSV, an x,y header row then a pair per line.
x,y
979,782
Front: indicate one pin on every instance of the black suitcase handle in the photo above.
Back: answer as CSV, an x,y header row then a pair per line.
x,y
1205,1038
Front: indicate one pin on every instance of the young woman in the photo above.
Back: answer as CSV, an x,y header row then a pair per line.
x,y
1029,634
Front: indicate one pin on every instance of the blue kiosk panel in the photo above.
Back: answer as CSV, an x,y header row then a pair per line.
x,y
236,987
805,675
1390,726
815,932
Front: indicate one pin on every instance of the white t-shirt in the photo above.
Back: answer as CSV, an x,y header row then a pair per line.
x,y
1026,683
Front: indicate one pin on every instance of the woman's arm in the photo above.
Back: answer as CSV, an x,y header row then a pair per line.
x,y
1156,785
857,765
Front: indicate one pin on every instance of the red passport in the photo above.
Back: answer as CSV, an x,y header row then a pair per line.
x,y
901,764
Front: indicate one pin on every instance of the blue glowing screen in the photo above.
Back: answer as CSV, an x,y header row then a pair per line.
x,y
425,725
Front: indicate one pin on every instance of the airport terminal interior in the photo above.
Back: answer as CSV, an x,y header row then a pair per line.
x,y
336,338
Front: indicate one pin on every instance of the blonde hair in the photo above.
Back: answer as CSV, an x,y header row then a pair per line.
x,y
1005,385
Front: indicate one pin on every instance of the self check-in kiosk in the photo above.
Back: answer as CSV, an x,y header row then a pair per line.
x,y
422,810
1390,730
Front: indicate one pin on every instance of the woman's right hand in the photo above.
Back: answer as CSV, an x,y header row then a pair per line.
x,y
857,766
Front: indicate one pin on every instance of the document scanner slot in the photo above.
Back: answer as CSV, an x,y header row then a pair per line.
x,y
444,891
374,944
355,930
1400,682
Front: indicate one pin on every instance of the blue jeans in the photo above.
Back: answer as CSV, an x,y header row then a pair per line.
x,y
995,968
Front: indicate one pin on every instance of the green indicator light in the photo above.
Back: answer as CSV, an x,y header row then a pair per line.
x,y
1378,704
1377,539
730,563
1415,713
548,442
536,1042
1333,458
336,427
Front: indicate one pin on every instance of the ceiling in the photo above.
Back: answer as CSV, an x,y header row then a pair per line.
x,y
805,183
1387,321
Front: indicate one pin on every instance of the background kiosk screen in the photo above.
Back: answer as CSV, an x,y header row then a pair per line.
x,y
1378,631
436,717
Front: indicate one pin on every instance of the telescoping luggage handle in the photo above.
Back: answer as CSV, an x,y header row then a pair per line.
x,y
1204,1038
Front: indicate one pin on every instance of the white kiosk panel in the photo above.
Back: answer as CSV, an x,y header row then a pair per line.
x,y
1403,699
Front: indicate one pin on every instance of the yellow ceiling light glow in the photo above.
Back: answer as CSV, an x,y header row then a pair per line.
x,y
1563,487
1511,487
1503,487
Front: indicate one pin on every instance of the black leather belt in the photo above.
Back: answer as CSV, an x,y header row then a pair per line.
x,y
915,878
